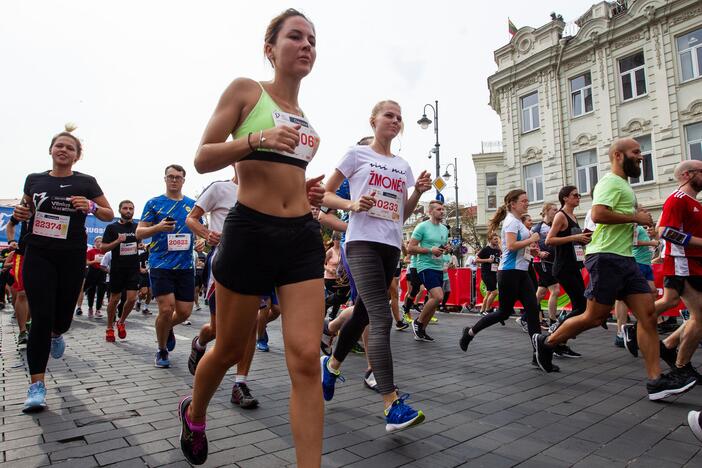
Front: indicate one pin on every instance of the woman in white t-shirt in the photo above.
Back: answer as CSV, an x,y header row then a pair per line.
x,y
379,206
513,279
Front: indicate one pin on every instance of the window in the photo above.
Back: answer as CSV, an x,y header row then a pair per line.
x,y
530,112
633,76
690,52
581,94
647,163
491,190
534,182
586,170
694,141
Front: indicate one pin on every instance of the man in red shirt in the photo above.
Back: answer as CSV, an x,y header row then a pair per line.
x,y
94,279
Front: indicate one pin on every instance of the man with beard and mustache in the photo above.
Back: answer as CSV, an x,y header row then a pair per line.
x,y
614,273
120,239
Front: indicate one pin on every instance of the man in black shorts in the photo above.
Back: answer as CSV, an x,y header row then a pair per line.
x,y
120,239
489,260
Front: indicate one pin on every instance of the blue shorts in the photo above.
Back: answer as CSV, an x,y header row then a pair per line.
x,y
613,277
180,283
432,278
646,271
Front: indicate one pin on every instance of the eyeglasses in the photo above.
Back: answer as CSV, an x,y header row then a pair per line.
x,y
576,195
174,178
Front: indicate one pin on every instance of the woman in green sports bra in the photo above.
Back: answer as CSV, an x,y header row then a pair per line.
x,y
269,239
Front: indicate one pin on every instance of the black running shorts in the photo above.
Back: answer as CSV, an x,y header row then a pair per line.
x,y
124,280
258,252
613,277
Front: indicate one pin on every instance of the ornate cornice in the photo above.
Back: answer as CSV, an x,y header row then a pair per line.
x,y
584,139
636,125
692,112
532,153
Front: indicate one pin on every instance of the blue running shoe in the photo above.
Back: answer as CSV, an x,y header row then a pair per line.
x,y
58,346
401,416
161,361
262,345
36,398
328,379
171,342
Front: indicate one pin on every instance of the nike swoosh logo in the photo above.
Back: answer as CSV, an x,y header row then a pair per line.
x,y
64,186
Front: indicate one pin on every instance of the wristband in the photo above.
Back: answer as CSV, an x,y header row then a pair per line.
x,y
248,140
92,207
14,221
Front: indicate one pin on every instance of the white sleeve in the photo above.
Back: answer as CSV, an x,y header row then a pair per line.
x,y
410,178
347,165
208,198
106,260
512,226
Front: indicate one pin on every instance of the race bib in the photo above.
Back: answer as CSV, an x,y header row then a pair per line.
x,y
635,240
527,256
51,225
309,140
579,252
178,242
494,266
128,248
387,206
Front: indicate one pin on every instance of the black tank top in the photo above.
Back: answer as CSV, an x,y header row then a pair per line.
x,y
565,253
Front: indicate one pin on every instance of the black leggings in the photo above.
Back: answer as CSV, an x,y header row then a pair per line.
x,y
52,281
95,282
373,267
414,283
514,285
572,282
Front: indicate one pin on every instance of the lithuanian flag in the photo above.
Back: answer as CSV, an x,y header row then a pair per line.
x,y
512,28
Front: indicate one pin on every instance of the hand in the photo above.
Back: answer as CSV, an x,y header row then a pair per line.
x,y
22,213
199,245
365,203
584,238
80,203
543,254
436,251
121,237
315,191
284,139
534,237
423,182
213,238
643,218
165,225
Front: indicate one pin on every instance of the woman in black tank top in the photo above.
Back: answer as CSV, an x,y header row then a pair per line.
x,y
569,243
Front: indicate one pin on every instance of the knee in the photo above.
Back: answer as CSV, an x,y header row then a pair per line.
x,y
305,365
227,356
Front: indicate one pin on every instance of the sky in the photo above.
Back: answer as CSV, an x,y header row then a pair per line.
x,y
141,79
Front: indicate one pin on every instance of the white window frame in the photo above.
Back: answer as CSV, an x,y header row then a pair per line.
x,y
488,189
648,153
533,183
530,113
632,76
696,65
586,168
689,142
581,96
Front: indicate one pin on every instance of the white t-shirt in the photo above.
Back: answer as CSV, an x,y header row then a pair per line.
x,y
513,259
389,178
588,224
217,199
106,263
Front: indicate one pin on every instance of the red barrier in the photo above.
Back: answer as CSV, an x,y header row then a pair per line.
x,y
461,289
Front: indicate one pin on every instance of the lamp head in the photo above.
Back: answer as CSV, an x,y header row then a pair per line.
x,y
424,122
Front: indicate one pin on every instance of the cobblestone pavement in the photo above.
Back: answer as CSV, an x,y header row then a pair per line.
x,y
108,405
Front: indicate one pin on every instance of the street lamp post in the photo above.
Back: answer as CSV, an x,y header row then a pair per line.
x,y
424,123
458,219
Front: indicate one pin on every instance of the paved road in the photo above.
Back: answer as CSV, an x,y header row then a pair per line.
x,y
108,405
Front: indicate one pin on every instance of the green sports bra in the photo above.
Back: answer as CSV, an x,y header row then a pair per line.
x,y
267,114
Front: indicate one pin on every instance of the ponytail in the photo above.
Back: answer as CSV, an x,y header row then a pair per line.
x,y
501,213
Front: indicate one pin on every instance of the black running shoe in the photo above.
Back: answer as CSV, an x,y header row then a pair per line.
x,y
630,342
195,356
536,364
672,383
401,325
543,352
563,351
193,441
241,395
465,339
79,312
668,355
426,337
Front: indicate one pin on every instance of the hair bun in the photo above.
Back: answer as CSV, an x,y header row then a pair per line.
x,y
70,126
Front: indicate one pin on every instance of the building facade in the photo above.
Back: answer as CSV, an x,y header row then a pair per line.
x,y
633,69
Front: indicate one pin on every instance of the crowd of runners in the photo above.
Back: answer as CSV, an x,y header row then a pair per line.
x,y
270,215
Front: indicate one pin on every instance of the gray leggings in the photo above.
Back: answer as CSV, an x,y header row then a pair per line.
x,y
372,266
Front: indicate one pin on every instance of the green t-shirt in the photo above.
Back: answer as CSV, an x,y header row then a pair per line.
x,y
430,235
642,253
616,193
446,260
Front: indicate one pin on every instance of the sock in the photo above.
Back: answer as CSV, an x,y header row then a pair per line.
x,y
335,372
240,379
199,346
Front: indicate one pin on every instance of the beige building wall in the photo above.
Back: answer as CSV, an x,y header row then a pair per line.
x,y
541,60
